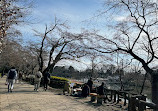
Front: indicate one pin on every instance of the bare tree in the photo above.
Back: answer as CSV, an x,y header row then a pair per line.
x,y
18,56
135,35
12,12
59,45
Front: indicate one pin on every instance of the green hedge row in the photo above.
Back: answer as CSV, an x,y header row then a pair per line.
x,y
57,82
59,78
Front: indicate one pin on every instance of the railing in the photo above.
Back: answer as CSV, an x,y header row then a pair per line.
x,y
135,101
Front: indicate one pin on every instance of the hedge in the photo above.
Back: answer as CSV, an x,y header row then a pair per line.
x,y
58,82
59,78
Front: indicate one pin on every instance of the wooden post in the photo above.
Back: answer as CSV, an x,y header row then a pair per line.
x,y
125,102
111,95
114,96
132,104
129,101
144,99
118,97
142,106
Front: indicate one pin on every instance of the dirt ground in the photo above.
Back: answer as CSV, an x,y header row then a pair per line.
x,y
24,98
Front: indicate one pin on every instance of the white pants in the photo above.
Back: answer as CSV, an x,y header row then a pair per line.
x,y
10,84
37,85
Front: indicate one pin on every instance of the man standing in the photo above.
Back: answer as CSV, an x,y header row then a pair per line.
x,y
37,81
46,80
90,83
20,77
12,74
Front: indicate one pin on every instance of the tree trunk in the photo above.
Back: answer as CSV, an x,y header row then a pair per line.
x,y
49,68
142,88
155,89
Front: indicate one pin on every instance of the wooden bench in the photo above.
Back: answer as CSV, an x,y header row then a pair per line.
x,y
100,99
93,96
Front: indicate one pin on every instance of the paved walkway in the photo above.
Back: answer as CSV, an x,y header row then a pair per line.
x,y
23,98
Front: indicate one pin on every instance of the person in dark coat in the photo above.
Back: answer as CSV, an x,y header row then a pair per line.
x,y
90,83
46,80
85,90
12,74
102,91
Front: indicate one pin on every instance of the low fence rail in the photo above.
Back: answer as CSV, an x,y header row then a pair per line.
x,y
135,102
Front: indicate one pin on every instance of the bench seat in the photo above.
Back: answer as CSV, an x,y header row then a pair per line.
x,y
93,96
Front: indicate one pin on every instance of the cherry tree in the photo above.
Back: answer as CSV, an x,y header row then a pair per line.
x,y
12,12
133,32
57,44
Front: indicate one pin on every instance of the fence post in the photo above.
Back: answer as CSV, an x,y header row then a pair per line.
x,y
118,97
131,104
125,99
142,106
133,107
129,101
111,95
114,96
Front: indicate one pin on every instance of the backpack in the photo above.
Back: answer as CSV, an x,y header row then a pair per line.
x,y
11,75
38,76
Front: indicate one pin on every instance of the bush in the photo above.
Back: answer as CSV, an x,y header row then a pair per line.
x,y
58,82
59,78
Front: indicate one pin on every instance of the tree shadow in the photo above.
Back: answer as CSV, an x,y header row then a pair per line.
x,y
93,104
22,91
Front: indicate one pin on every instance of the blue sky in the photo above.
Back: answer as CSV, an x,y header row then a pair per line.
x,y
78,13
71,10
75,12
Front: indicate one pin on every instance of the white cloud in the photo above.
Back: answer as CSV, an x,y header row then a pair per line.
x,y
120,18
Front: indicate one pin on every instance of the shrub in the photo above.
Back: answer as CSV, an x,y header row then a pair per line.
x,y
59,78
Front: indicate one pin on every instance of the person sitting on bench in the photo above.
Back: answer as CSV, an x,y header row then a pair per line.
x,y
85,90
102,91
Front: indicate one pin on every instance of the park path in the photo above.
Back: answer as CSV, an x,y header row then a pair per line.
x,y
23,98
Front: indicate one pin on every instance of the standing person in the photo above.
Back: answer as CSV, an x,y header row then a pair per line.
x,y
46,79
37,81
20,77
90,83
12,74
